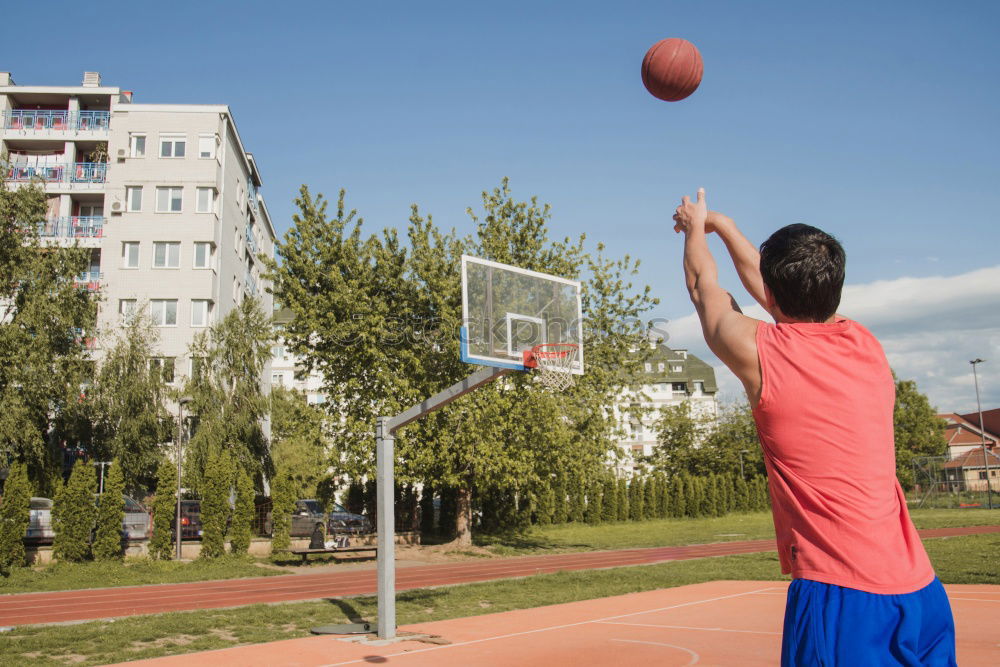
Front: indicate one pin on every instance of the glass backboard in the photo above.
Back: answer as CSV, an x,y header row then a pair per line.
x,y
507,310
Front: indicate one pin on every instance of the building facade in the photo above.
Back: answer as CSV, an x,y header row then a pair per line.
x,y
165,197
668,378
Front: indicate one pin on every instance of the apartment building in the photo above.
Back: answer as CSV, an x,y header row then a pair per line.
x,y
165,197
668,378
287,369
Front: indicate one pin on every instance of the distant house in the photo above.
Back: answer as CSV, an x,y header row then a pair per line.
x,y
967,468
667,378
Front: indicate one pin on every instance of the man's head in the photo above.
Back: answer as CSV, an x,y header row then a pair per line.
x,y
803,268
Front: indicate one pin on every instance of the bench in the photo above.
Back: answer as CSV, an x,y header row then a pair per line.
x,y
332,550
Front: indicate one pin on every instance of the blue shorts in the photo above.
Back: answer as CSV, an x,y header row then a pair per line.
x,y
831,625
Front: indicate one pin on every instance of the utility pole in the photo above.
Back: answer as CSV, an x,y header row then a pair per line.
x,y
982,434
103,465
180,432
742,452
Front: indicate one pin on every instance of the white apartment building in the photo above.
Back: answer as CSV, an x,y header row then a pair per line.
x,y
165,196
287,369
669,377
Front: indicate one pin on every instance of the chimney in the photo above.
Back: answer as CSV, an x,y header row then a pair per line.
x,y
91,79
6,79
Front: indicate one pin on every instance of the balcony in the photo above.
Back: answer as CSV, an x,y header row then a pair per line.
x,y
80,337
46,120
89,280
76,227
72,174
251,284
252,241
252,196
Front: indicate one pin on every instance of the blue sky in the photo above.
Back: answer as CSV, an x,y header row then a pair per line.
x,y
874,121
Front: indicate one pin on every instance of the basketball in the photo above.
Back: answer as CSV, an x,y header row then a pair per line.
x,y
672,69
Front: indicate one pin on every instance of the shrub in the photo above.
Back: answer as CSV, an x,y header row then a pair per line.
x,y
577,499
649,498
215,510
546,504
164,511
635,498
609,499
73,514
622,493
678,502
282,505
108,540
14,518
240,533
595,502
559,514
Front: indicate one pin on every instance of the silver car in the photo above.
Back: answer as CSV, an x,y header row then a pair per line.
x,y
138,520
39,521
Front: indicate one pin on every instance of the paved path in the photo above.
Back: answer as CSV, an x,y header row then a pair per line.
x,y
31,608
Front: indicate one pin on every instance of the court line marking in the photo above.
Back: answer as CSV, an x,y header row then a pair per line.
x,y
974,599
694,656
687,627
554,627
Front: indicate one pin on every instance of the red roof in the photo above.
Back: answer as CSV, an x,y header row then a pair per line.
x,y
974,459
991,420
961,431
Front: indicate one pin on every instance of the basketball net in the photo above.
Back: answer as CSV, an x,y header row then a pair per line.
x,y
553,363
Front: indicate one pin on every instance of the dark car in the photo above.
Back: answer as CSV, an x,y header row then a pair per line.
x,y
308,514
342,521
190,520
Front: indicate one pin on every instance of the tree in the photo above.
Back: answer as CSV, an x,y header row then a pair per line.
x,y
127,404
227,394
426,512
282,506
111,516
678,434
217,482
609,495
917,429
560,512
14,517
546,503
241,533
299,440
74,514
46,325
378,317
649,496
732,437
635,498
595,502
164,509
621,492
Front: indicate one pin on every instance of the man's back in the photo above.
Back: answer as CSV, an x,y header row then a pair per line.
x,y
825,424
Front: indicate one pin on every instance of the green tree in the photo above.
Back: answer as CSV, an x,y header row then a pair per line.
x,y
560,513
240,532
108,544
282,505
227,395
679,431
917,429
636,495
127,404
595,501
426,511
46,326
299,440
14,517
609,495
621,492
678,501
164,509
74,514
649,503
546,503
694,493
371,312
743,503
215,510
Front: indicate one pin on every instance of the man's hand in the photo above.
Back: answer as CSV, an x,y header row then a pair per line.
x,y
689,216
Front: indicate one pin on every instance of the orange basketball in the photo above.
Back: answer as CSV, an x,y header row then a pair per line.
x,y
672,69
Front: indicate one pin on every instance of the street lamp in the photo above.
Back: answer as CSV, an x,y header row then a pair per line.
x,y
180,429
742,452
982,433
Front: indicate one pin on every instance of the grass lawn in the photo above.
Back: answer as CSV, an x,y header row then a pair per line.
x,y
675,532
969,559
133,572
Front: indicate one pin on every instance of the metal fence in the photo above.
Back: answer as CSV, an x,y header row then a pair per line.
x,y
940,484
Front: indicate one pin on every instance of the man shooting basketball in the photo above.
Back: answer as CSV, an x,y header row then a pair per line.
x,y
863,590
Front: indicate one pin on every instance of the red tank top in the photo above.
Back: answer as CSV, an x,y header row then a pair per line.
x,y
825,424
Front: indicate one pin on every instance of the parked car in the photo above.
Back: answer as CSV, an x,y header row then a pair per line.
x,y
308,514
342,521
39,521
138,521
190,520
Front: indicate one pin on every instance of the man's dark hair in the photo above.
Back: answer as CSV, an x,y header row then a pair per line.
x,y
804,269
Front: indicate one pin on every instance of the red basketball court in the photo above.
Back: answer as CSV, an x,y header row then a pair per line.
x,y
715,623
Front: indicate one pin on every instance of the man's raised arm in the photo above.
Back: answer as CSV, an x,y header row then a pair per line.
x,y
745,256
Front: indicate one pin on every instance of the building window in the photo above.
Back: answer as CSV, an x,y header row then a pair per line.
x,y
660,366
137,145
172,145
201,311
206,200
130,255
699,386
127,309
206,146
133,198
164,367
166,255
163,312
680,387
168,200
197,366
649,367
677,368
278,379
202,255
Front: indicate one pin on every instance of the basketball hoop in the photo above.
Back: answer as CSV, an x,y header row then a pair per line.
x,y
553,363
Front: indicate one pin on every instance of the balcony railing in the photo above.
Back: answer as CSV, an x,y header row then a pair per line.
x,y
251,284
56,120
76,227
252,241
80,337
79,172
252,196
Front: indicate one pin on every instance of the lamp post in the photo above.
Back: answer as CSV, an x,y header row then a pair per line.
x,y
982,433
180,430
742,452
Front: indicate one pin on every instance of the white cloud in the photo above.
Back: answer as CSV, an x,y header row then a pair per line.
x,y
929,327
